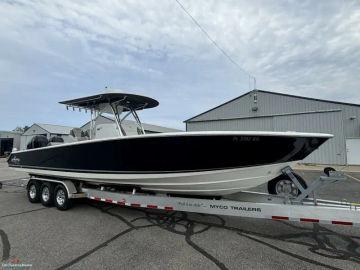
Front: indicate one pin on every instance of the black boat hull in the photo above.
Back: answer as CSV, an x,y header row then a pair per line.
x,y
200,162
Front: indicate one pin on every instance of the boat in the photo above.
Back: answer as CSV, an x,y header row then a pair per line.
x,y
188,163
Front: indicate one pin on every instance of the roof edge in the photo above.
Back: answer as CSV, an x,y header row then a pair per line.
x,y
41,125
274,93
267,115
309,98
35,124
222,104
52,125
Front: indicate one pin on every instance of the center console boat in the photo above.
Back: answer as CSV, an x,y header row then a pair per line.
x,y
191,163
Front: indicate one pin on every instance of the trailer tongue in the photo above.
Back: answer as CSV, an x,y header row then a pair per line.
x,y
243,204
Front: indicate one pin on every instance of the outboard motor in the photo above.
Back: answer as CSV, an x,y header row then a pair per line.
x,y
37,142
56,139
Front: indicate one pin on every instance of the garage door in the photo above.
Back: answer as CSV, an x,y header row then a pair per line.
x,y
353,151
6,145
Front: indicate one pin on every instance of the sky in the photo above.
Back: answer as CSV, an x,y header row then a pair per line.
x,y
57,50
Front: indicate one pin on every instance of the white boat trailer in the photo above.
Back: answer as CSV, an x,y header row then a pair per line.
x,y
242,204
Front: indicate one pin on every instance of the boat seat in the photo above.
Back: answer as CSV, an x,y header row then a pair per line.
x,y
55,140
79,134
76,132
85,135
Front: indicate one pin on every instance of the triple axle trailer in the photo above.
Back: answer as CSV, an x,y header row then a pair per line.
x,y
305,207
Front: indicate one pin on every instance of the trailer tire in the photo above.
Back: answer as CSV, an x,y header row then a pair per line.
x,y
273,184
61,198
33,191
47,194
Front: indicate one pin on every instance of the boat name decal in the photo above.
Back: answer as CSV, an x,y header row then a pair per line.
x,y
240,208
246,139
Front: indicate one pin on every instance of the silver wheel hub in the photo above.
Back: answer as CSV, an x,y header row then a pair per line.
x,y
60,197
32,191
286,187
45,194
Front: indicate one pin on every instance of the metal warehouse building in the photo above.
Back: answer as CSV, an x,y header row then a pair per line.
x,y
271,111
46,130
129,126
8,141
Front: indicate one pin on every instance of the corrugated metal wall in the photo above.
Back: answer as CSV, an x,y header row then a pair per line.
x,y
274,103
263,123
332,152
278,112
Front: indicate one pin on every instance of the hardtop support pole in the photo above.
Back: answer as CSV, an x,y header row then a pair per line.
x,y
117,120
138,121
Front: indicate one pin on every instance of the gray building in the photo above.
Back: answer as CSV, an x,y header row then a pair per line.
x,y
129,126
45,130
8,141
270,111
49,131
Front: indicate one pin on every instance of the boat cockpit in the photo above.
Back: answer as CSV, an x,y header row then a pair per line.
x,y
120,105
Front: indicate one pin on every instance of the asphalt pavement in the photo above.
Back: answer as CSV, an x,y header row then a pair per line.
x,y
94,235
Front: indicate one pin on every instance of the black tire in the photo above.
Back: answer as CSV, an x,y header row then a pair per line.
x,y
33,191
61,198
272,183
47,194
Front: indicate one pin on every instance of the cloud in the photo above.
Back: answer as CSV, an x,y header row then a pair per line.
x,y
53,50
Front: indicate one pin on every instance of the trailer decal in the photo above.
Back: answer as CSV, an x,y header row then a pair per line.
x,y
219,206
240,208
189,204
249,209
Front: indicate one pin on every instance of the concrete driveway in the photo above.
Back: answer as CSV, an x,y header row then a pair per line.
x,y
95,235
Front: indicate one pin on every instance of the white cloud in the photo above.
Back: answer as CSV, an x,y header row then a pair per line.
x,y
300,47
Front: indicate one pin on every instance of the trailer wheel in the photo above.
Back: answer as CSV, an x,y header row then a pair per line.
x,y
282,185
33,191
61,200
47,194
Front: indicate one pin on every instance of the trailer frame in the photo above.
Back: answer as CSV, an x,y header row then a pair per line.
x,y
302,208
